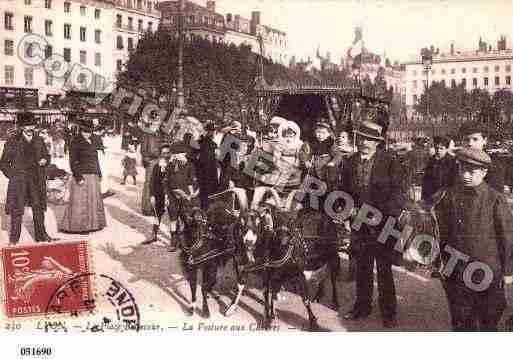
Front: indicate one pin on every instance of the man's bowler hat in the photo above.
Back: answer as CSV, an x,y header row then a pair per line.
x,y
25,119
474,157
370,130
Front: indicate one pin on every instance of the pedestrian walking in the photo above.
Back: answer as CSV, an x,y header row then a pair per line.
x,y
24,160
373,177
129,164
475,221
58,139
85,211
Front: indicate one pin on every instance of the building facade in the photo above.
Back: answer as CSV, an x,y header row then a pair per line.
x,y
205,22
484,68
75,41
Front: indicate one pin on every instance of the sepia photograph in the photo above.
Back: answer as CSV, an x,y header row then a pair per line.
x,y
266,167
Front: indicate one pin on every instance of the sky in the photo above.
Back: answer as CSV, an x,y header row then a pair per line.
x,y
398,28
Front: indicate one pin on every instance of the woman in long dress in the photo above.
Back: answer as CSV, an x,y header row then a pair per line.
x,y
85,211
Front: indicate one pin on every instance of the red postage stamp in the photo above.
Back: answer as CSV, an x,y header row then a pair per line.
x,y
33,274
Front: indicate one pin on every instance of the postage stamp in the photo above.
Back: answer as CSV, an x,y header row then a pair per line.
x,y
32,274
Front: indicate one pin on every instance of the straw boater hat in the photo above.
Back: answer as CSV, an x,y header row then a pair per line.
x,y
370,130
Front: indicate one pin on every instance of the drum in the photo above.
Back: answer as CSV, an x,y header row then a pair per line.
x,y
422,247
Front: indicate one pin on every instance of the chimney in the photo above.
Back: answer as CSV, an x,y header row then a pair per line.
x,y
452,48
255,17
211,6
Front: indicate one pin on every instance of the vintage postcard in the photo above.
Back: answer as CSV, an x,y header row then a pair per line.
x,y
254,167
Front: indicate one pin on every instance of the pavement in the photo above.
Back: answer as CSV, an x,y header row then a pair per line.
x,y
155,279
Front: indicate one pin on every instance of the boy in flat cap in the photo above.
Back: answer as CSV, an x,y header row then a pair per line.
x,y
475,135
476,223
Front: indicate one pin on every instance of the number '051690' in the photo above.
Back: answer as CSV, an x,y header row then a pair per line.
x,y
36,351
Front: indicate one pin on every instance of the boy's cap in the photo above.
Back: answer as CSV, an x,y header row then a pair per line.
x,y
474,156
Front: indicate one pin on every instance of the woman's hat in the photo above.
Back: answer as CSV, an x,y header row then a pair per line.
x,y
370,130
26,119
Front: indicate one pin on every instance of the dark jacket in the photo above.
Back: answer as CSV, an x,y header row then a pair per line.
x,y
438,174
386,191
206,166
478,223
180,176
496,175
19,163
158,188
387,187
83,158
150,148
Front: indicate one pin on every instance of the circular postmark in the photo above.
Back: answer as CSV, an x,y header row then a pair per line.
x,y
111,300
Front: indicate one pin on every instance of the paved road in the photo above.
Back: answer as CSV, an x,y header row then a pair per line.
x,y
155,279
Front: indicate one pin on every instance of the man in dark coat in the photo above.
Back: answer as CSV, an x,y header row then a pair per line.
x,y
476,229
374,178
23,162
206,166
440,171
475,135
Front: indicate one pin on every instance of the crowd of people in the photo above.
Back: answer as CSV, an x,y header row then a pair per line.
x,y
465,188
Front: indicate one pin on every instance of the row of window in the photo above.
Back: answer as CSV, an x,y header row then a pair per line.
x,y
9,74
121,46
497,82
140,4
28,27
475,70
67,7
9,51
130,24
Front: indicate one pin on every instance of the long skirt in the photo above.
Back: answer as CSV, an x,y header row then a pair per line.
x,y
146,207
85,211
